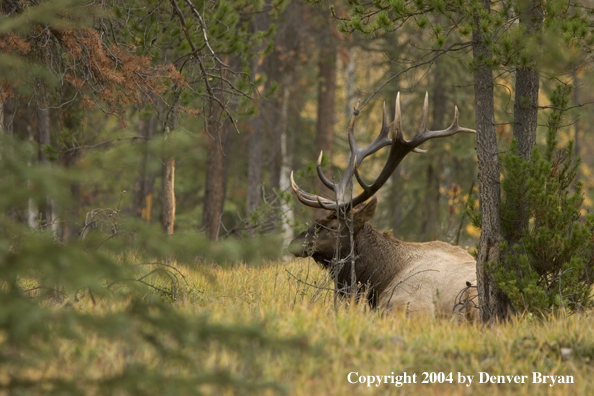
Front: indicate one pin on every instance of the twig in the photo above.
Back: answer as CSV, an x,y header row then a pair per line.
x,y
203,28
205,77
440,52
309,284
92,146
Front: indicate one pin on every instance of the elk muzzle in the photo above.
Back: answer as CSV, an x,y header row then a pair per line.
x,y
296,247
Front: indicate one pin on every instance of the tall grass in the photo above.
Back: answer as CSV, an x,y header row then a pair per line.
x,y
348,339
355,339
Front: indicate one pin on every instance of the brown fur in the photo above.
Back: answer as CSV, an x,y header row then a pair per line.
x,y
421,278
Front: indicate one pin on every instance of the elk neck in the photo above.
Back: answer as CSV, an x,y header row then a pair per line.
x,y
380,257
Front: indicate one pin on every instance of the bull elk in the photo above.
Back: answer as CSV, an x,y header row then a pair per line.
x,y
431,278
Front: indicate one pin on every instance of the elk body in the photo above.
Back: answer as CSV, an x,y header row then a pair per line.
x,y
432,278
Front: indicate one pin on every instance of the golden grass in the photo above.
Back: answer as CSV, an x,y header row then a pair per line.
x,y
358,340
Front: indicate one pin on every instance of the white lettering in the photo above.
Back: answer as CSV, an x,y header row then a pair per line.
x,y
349,377
465,378
553,378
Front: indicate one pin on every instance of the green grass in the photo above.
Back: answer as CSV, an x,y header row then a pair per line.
x,y
350,339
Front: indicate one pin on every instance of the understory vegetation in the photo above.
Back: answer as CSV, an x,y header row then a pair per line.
x,y
547,249
291,340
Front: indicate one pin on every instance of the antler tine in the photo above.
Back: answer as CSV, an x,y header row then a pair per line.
x,y
321,175
397,124
359,154
397,134
452,130
362,183
423,125
381,141
351,131
423,134
339,189
308,199
400,147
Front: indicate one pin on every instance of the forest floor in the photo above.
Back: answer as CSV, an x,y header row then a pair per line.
x,y
348,348
354,350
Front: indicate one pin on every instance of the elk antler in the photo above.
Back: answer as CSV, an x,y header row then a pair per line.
x,y
399,148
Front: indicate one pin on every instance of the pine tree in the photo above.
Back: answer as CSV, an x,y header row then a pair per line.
x,y
550,266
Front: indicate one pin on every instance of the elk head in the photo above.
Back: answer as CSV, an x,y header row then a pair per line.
x,y
334,233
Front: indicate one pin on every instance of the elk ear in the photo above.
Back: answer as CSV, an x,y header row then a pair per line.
x,y
364,212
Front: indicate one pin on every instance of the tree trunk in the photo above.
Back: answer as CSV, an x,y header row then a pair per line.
x,y
145,180
350,80
261,22
71,120
431,212
576,102
491,300
274,114
214,190
168,182
430,222
8,113
254,182
169,195
525,110
326,97
44,142
287,214
527,82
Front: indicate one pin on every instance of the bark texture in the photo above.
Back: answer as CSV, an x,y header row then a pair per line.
x,y
491,301
527,81
168,183
169,196
526,106
326,98
526,110
261,22
214,190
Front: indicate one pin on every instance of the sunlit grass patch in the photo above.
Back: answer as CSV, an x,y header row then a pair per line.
x,y
291,333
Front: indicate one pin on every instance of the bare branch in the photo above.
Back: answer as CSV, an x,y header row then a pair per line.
x,y
439,53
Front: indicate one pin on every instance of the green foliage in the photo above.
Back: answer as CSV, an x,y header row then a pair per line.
x,y
61,14
94,314
511,44
49,290
548,268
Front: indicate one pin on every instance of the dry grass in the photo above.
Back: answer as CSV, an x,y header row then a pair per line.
x,y
358,340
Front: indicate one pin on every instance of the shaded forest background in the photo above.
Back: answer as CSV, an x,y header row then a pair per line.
x,y
192,115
